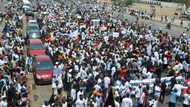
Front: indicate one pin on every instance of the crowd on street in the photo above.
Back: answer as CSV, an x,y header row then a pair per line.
x,y
99,60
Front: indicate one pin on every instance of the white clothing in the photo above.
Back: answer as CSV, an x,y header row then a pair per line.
x,y
79,93
127,102
153,103
73,94
80,103
3,104
137,92
179,88
113,69
117,104
186,99
107,82
64,104
142,97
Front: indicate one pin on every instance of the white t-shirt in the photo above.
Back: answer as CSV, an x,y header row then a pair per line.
x,y
142,97
79,93
137,92
107,81
186,99
117,104
64,104
80,103
153,103
1,50
127,102
73,94
178,87
3,104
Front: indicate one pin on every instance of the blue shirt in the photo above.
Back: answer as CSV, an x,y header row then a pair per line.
x,y
173,97
56,71
98,101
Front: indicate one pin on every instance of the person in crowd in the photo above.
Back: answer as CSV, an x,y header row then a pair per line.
x,y
127,101
80,102
94,51
173,98
46,104
3,102
186,101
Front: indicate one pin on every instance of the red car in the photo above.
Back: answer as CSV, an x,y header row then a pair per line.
x,y
42,68
35,47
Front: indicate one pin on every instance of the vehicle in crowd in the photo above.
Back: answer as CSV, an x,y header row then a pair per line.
x,y
42,69
35,47
32,30
27,7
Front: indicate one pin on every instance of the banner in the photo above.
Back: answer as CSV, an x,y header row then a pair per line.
x,y
149,81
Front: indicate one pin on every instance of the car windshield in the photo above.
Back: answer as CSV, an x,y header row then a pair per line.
x,y
33,28
36,46
44,65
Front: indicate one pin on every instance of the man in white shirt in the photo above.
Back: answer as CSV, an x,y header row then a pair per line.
x,y
73,93
79,93
179,87
127,101
80,102
186,101
107,81
3,102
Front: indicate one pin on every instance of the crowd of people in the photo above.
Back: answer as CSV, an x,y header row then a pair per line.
x,y
13,80
101,60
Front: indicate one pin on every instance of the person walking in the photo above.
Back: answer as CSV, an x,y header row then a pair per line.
x,y
163,92
173,98
186,101
127,101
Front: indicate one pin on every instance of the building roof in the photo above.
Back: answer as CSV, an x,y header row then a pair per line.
x,y
35,41
40,58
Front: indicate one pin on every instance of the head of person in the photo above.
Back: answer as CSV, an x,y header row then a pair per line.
x,y
81,97
46,103
127,95
174,90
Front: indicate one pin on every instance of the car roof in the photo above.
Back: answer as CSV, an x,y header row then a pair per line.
x,y
32,24
35,41
32,21
41,58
